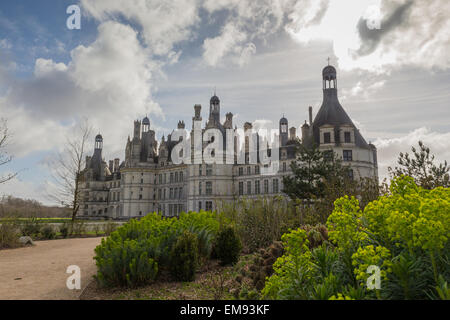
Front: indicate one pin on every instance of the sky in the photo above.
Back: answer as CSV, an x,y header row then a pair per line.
x,y
264,59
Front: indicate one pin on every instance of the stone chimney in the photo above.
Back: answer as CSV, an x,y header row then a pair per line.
x,y
181,125
116,165
292,133
111,166
310,116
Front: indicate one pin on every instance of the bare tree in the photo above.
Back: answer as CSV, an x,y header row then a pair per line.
x,y
4,157
67,167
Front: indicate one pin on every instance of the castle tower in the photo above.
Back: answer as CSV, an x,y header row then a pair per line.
x,y
284,135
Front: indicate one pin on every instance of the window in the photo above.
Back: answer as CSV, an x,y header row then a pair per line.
x,y
241,171
350,174
249,170
160,179
249,187
199,188
208,188
275,186
257,187
199,205
284,166
200,172
348,156
208,205
327,137
181,176
257,171
328,155
209,170
176,176
266,186
171,177
171,193
347,137
241,188
140,197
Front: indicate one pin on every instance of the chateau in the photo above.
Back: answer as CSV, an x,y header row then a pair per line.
x,y
148,180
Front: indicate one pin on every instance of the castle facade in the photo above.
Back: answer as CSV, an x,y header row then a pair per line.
x,y
150,180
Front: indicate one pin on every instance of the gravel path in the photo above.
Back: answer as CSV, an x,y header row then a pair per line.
x,y
39,272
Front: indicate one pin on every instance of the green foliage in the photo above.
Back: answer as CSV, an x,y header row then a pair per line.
x,y
124,264
64,230
31,227
184,257
48,233
157,236
228,246
421,167
405,234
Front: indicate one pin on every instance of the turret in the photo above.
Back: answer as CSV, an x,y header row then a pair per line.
x,y
283,131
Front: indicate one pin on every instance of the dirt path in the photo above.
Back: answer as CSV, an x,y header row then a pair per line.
x,y
39,272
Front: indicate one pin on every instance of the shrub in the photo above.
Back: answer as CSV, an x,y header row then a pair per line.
x,y
158,235
109,228
9,237
127,264
48,232
405,234
31,227
184,257
227,246
260,222
64,230
78,228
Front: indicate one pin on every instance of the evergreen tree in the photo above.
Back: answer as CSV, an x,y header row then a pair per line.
x,y
421,167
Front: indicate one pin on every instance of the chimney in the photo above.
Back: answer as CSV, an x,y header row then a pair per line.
x,y
198,110
292,133
111,166
310,116
181,125
116,165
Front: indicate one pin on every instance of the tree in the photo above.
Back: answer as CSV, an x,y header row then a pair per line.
x,y
421,167
4,157
310,171
66,169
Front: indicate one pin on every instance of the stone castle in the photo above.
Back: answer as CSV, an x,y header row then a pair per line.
x,y
149,181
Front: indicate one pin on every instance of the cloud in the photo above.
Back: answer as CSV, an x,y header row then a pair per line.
x,y
414,33
390,148
109,81
164,23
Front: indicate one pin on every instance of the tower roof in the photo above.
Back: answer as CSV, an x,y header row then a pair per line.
x,y
146,121
332,113
215,99
99,137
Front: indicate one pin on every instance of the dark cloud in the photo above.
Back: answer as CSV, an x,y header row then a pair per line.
x,y
372,37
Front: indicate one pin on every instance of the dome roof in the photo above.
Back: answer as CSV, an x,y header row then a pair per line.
x,y
215,99
329,72
146,121
99,137
283,120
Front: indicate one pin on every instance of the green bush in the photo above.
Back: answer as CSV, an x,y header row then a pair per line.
x,y
227,246
405,234
48,233
127,264
64,230
184,257
157,236
30,227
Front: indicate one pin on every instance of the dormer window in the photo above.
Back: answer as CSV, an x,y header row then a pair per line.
x,y
327,137
347,137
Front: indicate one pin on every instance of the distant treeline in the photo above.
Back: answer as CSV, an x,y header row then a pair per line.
x,y
25,208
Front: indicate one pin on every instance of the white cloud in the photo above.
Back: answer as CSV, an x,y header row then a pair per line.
x,y
110,82
164,23
412,33
389,149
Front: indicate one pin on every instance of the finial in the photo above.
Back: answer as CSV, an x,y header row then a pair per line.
x,y
328,60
